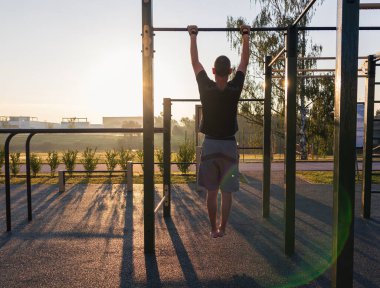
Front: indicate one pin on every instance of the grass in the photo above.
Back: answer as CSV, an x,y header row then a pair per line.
x,y
98,178
326,177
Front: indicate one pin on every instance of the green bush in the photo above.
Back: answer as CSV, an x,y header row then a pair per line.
x,y
125,155
2,158
53,161
186,153
69,158
160,158
89,160
35,164
15,163
111,160
140,157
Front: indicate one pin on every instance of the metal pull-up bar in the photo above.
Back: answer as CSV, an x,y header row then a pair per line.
x,y
259,29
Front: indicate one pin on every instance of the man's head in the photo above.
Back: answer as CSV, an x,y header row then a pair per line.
x,y
222,66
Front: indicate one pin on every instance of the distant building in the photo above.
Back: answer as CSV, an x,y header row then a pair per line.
x,y
74,122
123,122
25,122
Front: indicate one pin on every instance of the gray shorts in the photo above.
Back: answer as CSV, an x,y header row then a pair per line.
x,y
219,167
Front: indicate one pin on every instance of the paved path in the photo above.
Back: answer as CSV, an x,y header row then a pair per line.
x,y
92,236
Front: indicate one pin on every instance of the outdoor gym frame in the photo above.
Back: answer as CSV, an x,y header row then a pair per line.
x,y
344,136
266,145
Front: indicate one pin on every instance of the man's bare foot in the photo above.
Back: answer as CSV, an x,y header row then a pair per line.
x,y
214,234
221,232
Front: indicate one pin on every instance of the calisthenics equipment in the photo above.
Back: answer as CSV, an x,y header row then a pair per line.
x,y
344,138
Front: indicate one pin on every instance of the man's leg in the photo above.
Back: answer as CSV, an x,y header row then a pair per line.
x,y
226,208
212,207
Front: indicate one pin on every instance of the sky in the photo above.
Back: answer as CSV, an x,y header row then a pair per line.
x,y
82,58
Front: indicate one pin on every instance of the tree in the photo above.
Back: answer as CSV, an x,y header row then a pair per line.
x,y
275,13
321,122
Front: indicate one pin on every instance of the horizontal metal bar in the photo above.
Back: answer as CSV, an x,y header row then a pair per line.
x,y
93,171
306,76
77,130
369,6
306,70
277,57
160,204
251,100
198,100
305,10
253,29
250,148
258,29
314,76
375,191
171,163
376,101
323,58
377,83
376,120
184,100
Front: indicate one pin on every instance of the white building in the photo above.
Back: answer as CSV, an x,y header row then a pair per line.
x,y
25,122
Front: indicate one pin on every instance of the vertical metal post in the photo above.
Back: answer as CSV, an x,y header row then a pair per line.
x,y
267,137
61,181
344,142
148,125
28,178
290,136
167,154
129,176
8,182
197,123
368,137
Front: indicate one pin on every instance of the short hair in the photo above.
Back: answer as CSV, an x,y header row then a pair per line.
x,y
222,66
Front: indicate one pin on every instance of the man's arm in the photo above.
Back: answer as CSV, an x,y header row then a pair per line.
x,y
197,66
245,30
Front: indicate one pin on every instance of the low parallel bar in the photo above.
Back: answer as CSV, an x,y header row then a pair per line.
x,y
77,130
32,132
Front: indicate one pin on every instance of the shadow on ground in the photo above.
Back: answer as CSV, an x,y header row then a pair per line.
x,y
93,235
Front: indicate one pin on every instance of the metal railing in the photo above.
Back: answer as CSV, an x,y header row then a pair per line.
x,y
31,132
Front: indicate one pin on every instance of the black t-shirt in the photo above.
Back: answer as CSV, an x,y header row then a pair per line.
x,y
219,107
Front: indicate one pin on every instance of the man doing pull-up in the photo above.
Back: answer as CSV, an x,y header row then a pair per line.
x,y
219,167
